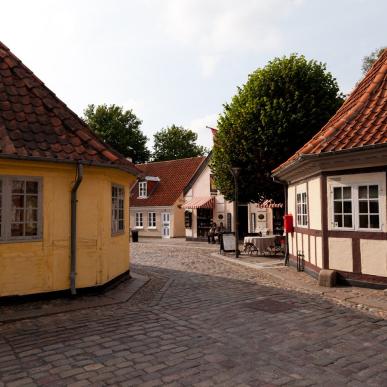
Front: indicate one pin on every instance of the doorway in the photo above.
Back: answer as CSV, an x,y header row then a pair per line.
x,y
243,220
166,223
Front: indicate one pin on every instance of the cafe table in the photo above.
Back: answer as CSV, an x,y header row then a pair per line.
x,y
262,243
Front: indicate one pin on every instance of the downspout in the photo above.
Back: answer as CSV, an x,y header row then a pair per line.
x,y
73,236
286,262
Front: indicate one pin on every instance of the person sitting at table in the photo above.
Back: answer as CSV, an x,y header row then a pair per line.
x,y
219,230
211,233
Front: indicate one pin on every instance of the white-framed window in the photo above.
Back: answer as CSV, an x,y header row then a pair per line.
x,y
20,208
302,208
142,189
139,220
151,220
356,207
118,195
342,207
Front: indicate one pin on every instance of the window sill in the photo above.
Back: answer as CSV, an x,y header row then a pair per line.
x,y
152,228
139,227
21,240
118,233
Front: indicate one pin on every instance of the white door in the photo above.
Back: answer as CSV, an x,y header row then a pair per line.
x,y
166,221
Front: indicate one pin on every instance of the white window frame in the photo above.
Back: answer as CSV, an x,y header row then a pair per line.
x,y
152,220
6,209
142,189
301,215
118,209
355,207
139,219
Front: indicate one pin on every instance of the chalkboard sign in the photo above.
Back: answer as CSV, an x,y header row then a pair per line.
x,y
227,243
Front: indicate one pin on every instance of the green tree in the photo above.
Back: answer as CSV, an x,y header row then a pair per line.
x,y
369,60
119,128
175,142
280,107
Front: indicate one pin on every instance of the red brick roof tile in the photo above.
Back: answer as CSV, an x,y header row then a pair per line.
x,y
361,120
37,125
174,176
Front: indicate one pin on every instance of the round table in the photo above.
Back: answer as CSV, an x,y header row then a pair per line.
x,y
261,243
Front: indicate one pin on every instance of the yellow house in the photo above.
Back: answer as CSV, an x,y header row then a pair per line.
x,y
64,194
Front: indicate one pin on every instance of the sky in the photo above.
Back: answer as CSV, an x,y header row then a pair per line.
x,y
178,61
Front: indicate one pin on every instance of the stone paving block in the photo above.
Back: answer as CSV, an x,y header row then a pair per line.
x,y
199,331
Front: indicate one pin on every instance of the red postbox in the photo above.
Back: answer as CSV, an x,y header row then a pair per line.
x,y
288,223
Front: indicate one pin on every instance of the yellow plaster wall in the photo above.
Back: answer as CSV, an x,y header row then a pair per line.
x,y
44,266
340,254
373,257
314,202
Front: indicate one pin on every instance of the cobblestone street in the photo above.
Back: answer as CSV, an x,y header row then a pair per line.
x,y
198,321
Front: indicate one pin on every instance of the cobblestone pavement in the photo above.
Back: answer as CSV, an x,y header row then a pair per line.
x,y
198,321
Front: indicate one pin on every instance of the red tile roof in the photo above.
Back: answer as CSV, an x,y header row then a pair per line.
x,y
37,125
361,121
174,176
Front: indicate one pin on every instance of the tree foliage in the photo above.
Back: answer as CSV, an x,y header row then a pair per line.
x,y
175,142
119,128
369,60
280,107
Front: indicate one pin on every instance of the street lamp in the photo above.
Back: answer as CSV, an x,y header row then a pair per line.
x,y
235,172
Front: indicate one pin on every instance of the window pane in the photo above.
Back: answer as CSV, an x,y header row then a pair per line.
x,y
347,220
363,194
346,192
298,198
17,216
17,229
338,221
31,201
31,215
31,229
338,207
32,187
374,207
337,193
363,206
374,221
347,207
17,186
18,201
363,221
121,225
373,191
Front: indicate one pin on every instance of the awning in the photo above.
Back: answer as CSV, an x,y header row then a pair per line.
x,y
203,202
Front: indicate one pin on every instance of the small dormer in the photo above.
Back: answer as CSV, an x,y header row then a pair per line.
x,y
147,186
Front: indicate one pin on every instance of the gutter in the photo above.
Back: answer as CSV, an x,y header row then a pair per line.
x,y
73,237
122,167
285,185
316,156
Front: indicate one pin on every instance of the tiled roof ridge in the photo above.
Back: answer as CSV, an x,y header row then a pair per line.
x,y
169,161
356,104
44,94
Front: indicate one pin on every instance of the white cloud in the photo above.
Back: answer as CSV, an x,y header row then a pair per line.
x,y
198,125
218,27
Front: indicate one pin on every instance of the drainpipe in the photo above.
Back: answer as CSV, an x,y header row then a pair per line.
x,y
286,210
73,248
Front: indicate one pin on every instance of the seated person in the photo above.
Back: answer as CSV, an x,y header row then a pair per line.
x,y
212,233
